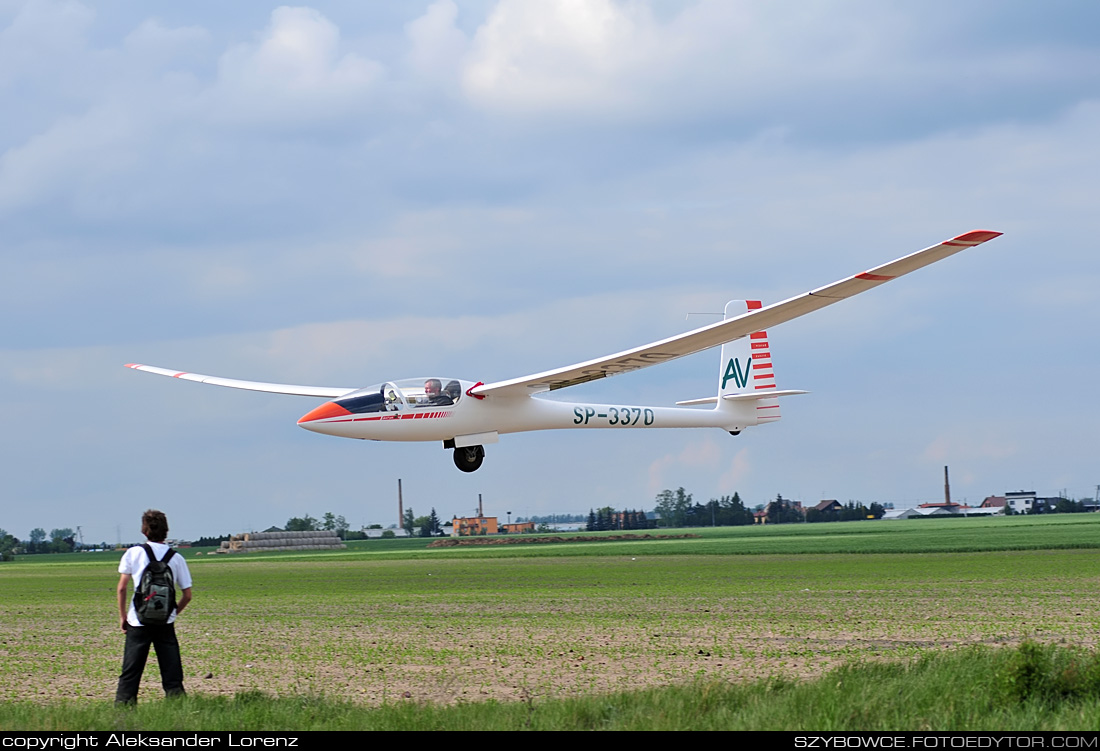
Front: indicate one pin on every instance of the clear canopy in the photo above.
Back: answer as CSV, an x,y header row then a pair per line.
x,y
410,393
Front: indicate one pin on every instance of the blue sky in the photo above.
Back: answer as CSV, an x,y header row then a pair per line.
x,y
346,193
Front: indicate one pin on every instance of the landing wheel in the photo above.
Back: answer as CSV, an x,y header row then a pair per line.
x,y
735,432
469,458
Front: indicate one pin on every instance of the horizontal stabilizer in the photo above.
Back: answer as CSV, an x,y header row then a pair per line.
x,y
762,395
741,397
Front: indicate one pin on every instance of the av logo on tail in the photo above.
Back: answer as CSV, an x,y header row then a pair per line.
x,y
734,371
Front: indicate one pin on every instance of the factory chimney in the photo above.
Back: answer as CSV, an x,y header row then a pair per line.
x,y
946,486
400,506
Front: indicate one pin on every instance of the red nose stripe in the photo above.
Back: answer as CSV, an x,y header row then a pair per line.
x,y
328,409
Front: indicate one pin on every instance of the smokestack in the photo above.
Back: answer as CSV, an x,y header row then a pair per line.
x,y
946,486
480,512
400,506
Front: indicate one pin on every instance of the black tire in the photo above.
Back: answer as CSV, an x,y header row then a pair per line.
x,y
469,458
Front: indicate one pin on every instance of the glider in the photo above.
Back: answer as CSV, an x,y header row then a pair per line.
x,y
467,415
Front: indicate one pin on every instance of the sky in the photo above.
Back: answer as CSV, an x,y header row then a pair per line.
x,y
346,193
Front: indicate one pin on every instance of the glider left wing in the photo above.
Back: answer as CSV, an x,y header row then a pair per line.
x,y
330,392
730,329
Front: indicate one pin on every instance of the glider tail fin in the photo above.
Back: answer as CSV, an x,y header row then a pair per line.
x,y
746,369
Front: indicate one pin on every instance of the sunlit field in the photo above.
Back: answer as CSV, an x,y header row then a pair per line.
x,y
391,621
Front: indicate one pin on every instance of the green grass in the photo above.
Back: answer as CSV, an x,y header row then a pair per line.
x,y
549,623
1030,688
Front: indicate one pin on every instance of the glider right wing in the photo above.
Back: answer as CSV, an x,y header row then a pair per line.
x,y
732,328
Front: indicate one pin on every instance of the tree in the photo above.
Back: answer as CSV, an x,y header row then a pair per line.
x,y
35,540
435,529
782,511
328,521
7,545
673,507
408,521
421,524
388,534
732,512
303,524
62,540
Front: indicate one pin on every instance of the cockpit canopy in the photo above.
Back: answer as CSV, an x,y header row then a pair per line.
x,y
407,394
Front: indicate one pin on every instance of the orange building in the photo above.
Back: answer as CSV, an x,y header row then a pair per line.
x,y
518,528
473,525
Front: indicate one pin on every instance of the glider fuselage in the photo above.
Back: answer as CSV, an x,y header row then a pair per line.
x,y
396,415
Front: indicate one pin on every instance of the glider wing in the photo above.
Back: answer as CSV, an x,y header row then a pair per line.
x,y
271,388
730,329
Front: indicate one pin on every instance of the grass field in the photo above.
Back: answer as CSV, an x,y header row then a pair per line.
x,y
390,622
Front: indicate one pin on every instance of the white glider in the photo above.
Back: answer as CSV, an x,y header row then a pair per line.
x,y
465,415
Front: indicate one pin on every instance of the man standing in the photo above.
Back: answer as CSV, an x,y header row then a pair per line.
x,y
154,525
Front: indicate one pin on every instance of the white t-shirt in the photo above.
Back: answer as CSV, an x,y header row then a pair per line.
x,y
134,562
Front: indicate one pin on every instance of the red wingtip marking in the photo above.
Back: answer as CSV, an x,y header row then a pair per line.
x,y
874,277
753,304
976,236
181,373
132,365
328,409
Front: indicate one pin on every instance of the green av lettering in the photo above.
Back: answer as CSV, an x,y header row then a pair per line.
x,y
733,370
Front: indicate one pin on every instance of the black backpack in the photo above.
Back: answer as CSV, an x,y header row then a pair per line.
x,y
155,595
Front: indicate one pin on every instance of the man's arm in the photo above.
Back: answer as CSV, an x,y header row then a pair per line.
x,y
183,601
123,605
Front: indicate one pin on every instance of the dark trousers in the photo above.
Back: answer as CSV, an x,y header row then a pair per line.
x,y
138,639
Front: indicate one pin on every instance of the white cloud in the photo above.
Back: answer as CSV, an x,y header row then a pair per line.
x,y
737,474
437,45
559,55
697,456
294,73
43,39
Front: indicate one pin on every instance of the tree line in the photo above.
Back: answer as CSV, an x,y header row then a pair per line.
x,y
677,508
421,526
607,518
57,541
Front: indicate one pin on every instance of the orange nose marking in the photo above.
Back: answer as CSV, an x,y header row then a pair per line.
x,y
328,409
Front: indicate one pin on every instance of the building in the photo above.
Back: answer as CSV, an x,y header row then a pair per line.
x,y
1027,502
473,525
829,507
517,528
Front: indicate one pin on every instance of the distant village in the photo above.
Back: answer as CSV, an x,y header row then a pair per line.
x,y
673,509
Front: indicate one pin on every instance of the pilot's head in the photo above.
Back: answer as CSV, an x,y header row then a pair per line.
x,y
432,387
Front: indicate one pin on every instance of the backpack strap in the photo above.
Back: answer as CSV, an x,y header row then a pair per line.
x,y
152,557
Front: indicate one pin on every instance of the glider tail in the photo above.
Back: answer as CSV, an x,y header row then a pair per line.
x,y
746,372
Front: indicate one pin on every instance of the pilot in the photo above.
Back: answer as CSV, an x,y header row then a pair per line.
x,y
453,389
433,391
